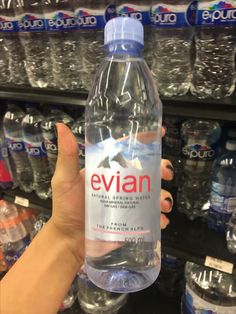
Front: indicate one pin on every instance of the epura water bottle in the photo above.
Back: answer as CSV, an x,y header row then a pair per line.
x,y
231,234
141,11
123,154
14,136
223,189
61,25
208,291
78,129
172,40
4,58
33,36
92,17
12,44
199,147
214,69
48,126
34,143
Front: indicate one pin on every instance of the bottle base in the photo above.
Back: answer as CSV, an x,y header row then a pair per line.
x,y
122,280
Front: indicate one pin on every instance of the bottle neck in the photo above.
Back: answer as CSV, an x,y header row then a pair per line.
x,y
125,47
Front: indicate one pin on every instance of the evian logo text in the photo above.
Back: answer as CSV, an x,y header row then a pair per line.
x,y
219,15
126,184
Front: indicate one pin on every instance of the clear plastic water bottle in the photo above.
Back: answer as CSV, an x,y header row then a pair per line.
x,y
171,279
4,58
172,39
33,36
92,17
141,11
200,139
223,189
78,130
123,154
214,69
50,137
12,44
61,26
231,134
28,218
94,300
14,136
231,234
208,291
34,143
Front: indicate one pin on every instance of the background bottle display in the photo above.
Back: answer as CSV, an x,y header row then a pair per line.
x,y
214,68
12,44
231,234
34,39
200,139
50,138
172,38
123,136
61,25
208,291
92,17
78,130
4,58
14,136
34,143
223,189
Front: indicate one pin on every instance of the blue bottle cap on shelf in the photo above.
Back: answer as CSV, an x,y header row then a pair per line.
x,y
124,28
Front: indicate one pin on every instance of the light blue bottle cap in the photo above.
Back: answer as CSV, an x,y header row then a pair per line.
x,y
124,28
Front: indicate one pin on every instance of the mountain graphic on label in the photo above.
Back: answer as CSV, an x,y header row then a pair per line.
x,y
161,9
221,5
2,19
28,17
126,10
61,16
198,147
118,158
82,13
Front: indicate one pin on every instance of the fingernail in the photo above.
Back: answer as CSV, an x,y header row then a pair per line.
x,y
170,168
164,222
170,202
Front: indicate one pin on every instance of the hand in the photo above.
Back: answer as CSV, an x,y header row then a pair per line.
x,y
68,187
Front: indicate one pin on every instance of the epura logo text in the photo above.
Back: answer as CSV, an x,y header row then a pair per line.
x,y
167,18
31,24
6,26
16,146
65,23
51,147
198,152
219,15
87,21
126,184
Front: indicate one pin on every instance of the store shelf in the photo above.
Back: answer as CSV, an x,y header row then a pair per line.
x,y
193,241
186,106
17,196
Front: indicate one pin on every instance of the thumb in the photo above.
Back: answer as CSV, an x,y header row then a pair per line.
x,y
67,167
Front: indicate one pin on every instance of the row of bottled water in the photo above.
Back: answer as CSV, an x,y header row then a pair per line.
x,y
59,43
204,156
29,147
204,290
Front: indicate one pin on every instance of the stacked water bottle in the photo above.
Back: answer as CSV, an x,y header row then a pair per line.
x,y
59,44
29,147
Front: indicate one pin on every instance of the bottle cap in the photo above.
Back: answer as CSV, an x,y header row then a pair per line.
x,y
124,28
232,133
231,145
29,105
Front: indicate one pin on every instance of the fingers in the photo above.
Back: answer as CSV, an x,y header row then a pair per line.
x,y
67,167
164,222
166,201
163,131
167,170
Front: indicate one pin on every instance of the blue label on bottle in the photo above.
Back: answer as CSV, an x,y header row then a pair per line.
x,y
11,256
50,143
199,152
216,13
61,21
138,12
223,197
36,149
15,146
96,19
31,23
8,25
164,15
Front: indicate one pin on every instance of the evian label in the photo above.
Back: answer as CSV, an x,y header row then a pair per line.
x,y
122,196
8,24
199,152
216,12
138,12
61,21
178,15
31,22
90,18
193,304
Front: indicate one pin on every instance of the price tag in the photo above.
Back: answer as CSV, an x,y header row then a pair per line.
x,y
21,201
219,264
